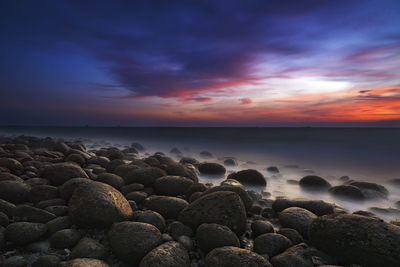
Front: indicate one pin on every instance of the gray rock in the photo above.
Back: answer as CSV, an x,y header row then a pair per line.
x,y
186,242
7,208
131,241
14,192
370,190
347,192
225,208
137,196
168,254
233,256
292,234
298,219
66,238
230,162
111,179
22,233
271,244
177,229
68,188
26,213
168,207
89,248
153,218
58,210
259,227
99,205
59,173
357,239
145,176
131,188
210,236
58,224
4,221
172,185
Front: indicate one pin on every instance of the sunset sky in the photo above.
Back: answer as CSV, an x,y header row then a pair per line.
x,y
200,63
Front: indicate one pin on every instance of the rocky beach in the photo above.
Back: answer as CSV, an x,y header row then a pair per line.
x,y
83,203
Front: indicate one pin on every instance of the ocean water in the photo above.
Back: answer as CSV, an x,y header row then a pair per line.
x,y
368,154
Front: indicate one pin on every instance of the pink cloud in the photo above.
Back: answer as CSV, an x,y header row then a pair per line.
x,y
245,101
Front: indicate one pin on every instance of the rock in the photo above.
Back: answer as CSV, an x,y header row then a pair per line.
x,y
233,256
364,213
395,221
206,154
318,207
211,168
172,185
98,205
357,239
14,261
249,177
177,169
137,196
25,213
292,234
153,218
298,219
131,188
4,221
14,192
58,224
145,176
89,248
177,229
187,160
83,262
301,255
111,179
168,207
58,210
271,244
273,169
138,146
230,162
244,196
131,241
46,261
313,182
76,158
385,211
186,242
68,188
210,236
59,173
23,233
114,164
196,187
371,190
43,192
66,238
232,182
225,208
4,176
259,227
168,254
2,239
12,164
347,192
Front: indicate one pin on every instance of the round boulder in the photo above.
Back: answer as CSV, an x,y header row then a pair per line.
x,y
89,248
172,185
313,182
59,173
260,227
347,192
249,177
297,218
210,236
233,256
271,244
66,238
211,168
83,262
168,207
14,192
131,241
23,233
111,179
168,254
98,205
224,207
153,218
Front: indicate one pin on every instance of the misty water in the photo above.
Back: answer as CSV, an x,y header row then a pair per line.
x,y
367,154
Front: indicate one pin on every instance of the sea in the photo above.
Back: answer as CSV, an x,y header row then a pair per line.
x,y
367,154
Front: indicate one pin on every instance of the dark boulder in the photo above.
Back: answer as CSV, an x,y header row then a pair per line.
x,y
211,168
172,185
23,233
244,196
318,207
233,256
271,244
83,262
292,234
153,218
111,179
249,177
371,190
347,192
210,236
68,188
145,176
298,219
14,192
259,227
168,254
66,238
313,182
59,173
26,213
89,248
168,207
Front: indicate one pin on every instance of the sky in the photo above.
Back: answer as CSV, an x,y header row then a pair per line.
x,y
200,63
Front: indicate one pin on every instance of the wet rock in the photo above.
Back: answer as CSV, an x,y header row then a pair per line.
x,y
168,254
114,164
76,158
186,242
188,160
145,176
211,168
177,169
12,164
137,196
168,207
210,236
26,213
4,176
233,256
177,229
196,187
131,188
371,190
59,210
298,219
15,261
14,192
153,218
172,185
58,224
249,177
22,233
259,227
385,211
313,182
364,213
347,192
68,188
302,255
59,173
230,162
131,241
4,221
98,205
111,179
46,261
318,207
232,182
89,248
271,244
244,196
83,262
225,208
66,238
43,192
292,234
357,239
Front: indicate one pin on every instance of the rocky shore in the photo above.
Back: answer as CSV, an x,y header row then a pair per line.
x,y
65,204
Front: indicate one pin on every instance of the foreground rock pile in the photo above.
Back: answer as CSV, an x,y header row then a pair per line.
x,y
64,205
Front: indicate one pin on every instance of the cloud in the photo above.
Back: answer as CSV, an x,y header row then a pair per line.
x,y
245,101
